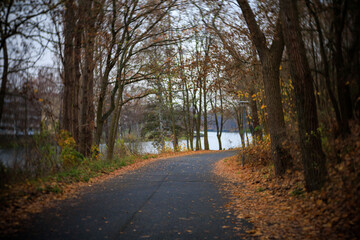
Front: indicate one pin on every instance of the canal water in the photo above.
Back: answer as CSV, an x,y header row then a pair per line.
x,y
16,156
229,140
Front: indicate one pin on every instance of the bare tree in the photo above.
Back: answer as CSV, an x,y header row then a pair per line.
x,y
20,28
130,33
312,155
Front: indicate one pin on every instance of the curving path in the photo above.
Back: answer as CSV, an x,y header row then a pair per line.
x,y
175,198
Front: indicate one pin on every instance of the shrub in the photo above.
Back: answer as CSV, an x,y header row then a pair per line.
x,y
43,156
95,152
133,144
69,155
259,154
120,148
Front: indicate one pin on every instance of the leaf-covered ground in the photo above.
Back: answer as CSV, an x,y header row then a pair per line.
x,y
280,208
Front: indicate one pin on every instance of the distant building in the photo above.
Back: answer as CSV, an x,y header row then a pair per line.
x,y
21,115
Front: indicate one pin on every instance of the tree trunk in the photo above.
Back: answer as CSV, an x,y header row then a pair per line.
x,y
185,116
76,83
69,30
218,132
239,121
206,139
198,123
214,106
218,129
326,65
274,109
219,140
72,49
190,133
113,126
172,116
247,138
254,117
343,90
270,60
205,91
101,115
4,78
87,93
194,124
186,105
313,157
100,105
160,115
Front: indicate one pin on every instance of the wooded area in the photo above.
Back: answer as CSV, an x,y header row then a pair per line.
x,y
126,71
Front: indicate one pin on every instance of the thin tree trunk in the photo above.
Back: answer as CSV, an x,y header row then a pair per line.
x,y
326,65
219,141
160,115
247,137
173,124
101,117
4,78
185,115
218,132
198,123
113,126
186,105
343,90
221,118
76,83
99,111
206,138
239,121
218,129
190,133
204,76
254,117
312,155
194,118
219,125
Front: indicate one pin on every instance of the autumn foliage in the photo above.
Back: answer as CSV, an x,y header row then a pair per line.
x,y
280,207
336,208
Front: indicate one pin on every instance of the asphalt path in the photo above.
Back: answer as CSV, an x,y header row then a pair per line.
x,y
175,198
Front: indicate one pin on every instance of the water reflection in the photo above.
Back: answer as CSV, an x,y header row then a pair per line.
x,y
228,140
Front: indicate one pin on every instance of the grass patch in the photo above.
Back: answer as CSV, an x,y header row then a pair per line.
x,y
148,156
56,182
90,169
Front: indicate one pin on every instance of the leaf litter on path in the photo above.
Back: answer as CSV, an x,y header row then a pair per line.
x,y
273,215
